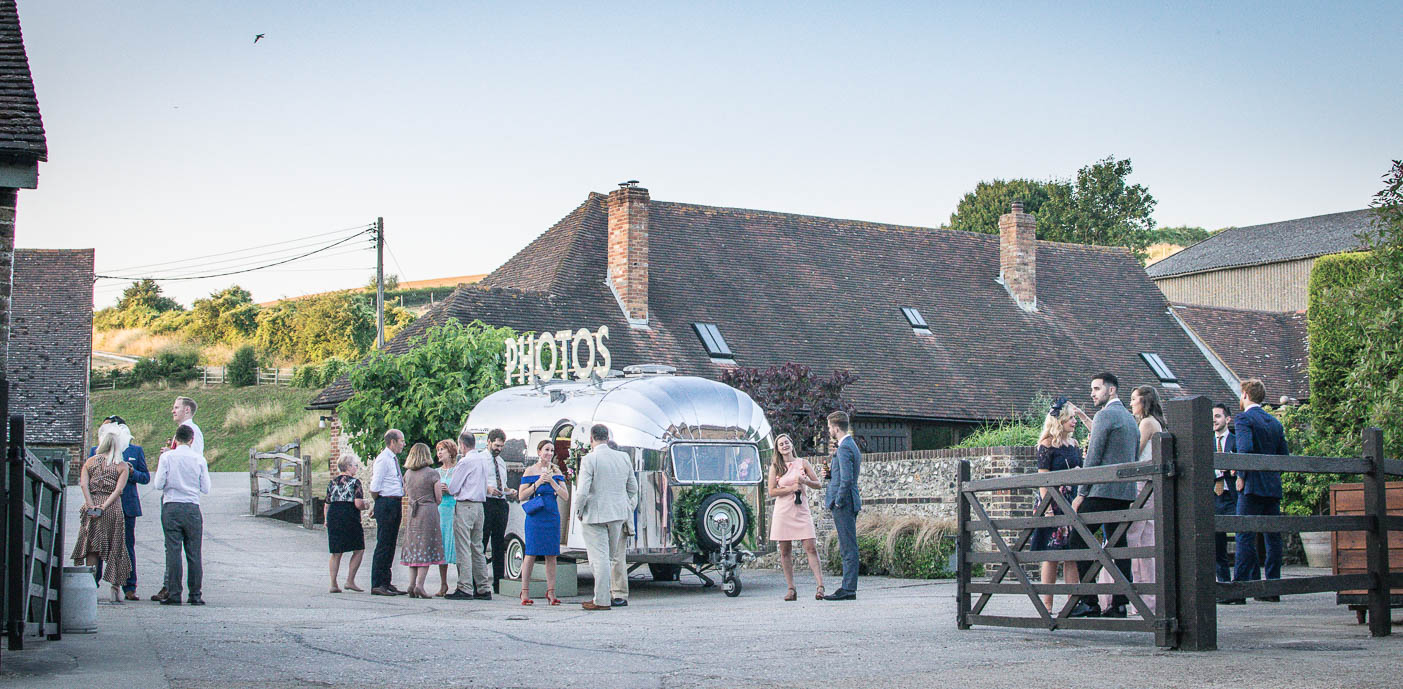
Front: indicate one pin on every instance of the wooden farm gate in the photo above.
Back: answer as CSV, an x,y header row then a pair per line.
x,y
286,481
1183,613
33,549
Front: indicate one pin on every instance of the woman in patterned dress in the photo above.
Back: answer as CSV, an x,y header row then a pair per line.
x,y
447,451
423,540
102,525
345,500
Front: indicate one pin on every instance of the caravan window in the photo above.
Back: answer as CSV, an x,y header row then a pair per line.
x,y
716,463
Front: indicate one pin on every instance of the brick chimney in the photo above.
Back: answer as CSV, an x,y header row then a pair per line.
x,y
1018,256
628,250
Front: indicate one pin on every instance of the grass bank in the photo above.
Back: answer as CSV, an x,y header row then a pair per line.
x,y
232,419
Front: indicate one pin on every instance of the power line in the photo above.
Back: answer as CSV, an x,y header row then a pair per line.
x,y
393,257
241,256
242,263
358,229
237,272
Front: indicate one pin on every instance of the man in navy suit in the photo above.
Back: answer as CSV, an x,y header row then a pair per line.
x,y
135,458
1224,488
843,501
1259,492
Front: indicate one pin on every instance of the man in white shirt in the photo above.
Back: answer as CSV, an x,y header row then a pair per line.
x,y
182,477
183,413
496,510
387,487
469,487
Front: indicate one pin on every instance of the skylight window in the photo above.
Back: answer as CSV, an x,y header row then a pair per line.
x,y
1160,369
917,322
716,346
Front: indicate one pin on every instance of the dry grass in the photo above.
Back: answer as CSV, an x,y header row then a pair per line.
x,y
247,415
304,428
134,341
217,354
891,528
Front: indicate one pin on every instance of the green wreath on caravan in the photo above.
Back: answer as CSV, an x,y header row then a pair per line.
x,y
684,524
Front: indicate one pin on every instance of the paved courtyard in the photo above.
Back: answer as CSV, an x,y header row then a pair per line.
x,y
271,623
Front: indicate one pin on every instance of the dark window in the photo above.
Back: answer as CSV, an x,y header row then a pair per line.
x,y
711,339
1160,369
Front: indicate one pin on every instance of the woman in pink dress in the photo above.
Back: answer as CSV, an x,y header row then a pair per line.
x,y
790,475
1144,404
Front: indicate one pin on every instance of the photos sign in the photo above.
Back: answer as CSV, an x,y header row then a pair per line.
x,y
563,354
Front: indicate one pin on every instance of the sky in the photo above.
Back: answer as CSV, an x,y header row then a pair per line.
x,y
178,146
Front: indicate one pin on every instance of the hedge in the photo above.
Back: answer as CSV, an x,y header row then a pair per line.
x,y
1336,337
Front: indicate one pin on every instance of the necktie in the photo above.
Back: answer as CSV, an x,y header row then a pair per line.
x,y
497,475
1220,443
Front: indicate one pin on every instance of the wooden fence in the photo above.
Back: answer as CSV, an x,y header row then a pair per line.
x,y
287,481
1184,612
33,532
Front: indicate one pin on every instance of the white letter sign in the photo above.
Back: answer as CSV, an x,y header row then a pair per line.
x,y
523,356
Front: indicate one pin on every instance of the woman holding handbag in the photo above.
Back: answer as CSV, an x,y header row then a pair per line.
x,y
541,486
1056,450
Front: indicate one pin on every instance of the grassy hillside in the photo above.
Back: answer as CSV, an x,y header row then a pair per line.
x,y
232,419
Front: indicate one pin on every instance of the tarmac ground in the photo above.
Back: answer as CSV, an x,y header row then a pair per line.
x,y
270,623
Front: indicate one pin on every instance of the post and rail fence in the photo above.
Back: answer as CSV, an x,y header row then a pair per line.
x,y
1182,612
286,482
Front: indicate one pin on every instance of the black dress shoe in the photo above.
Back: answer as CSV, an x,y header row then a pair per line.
x,y
619,602
459,595
1114,611
485,595
196,600
391,588
1233,601
170,600
1085,609
841,594
382,591
159,595
1268,599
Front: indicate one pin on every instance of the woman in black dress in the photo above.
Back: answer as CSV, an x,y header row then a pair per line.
x,y
344,533
1056,450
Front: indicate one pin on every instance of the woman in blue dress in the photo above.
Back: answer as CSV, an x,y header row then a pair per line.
x,y
448,458
541,486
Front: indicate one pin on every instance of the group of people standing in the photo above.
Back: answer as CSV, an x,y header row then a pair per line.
x,y
107,518
1119,436
458,508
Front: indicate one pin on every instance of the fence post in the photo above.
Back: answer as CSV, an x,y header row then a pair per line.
x,y
16,588
252,482
308,518
1191,422
1376,540
1166,496
962,568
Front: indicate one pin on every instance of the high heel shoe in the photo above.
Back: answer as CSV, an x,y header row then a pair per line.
x,y
818,592
791,594
413,592
526,597
550,597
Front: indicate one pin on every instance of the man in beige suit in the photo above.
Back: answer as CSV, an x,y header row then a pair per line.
x,y
604,501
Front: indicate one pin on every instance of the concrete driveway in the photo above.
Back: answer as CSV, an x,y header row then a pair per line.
x,y
271,623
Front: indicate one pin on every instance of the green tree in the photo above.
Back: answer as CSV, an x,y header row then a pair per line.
x,y
1183,235
208,320
980,209
391,282
337,324
243,368
146,292
427,391
1098,206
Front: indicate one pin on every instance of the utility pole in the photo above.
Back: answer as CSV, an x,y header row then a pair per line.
x,y
380,283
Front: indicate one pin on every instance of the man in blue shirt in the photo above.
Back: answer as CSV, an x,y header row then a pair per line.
x,y
1259,492
135,458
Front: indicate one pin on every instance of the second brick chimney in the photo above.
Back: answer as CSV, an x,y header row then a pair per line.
x,y
1018,256
628,250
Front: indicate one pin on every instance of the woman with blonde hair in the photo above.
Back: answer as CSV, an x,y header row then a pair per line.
x,y
1056,450
102,533
423,540
792,521
447,452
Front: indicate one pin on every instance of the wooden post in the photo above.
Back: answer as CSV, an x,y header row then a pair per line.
x,y
252,482
1376,540
308,519
1166,543
16,588
962,568
1191,422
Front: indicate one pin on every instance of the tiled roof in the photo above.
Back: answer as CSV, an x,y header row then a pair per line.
x,y
828,293
21,129
1270,243
1256,344
50,342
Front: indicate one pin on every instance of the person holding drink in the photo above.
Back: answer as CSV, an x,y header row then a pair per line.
x,y
792,521
541,487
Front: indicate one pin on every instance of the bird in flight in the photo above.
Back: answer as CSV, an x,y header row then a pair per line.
x,y
255,38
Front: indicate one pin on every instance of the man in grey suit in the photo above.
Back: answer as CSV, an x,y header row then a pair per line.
x,y
843,501
1115,439
604,500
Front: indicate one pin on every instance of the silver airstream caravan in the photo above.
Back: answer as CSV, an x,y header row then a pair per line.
x,y
681,431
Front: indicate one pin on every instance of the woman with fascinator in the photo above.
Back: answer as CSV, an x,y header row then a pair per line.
x,y
1056,450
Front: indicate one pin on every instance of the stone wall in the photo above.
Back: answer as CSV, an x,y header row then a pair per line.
x,y
922,483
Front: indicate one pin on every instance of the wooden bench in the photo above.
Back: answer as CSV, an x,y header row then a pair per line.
x,y
1347,555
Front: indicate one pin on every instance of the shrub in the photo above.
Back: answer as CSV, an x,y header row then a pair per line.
x,y
320,375
796,400
243,368
1307,494
907,546
1335,334
168,366
1003,434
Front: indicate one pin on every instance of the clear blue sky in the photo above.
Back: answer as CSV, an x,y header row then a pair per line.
x,y
471,127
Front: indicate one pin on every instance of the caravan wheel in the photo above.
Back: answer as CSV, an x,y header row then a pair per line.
x,y
516,552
